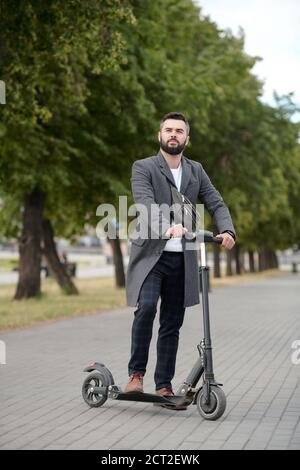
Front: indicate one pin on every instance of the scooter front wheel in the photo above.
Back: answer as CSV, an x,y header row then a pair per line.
x,y
216,406
94,379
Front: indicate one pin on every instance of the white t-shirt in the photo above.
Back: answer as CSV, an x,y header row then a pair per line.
x,y
174,244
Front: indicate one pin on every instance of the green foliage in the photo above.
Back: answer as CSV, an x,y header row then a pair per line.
x,y
87,83
49,51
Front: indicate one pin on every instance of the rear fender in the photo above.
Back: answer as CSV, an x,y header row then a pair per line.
x,y
94,366
102,369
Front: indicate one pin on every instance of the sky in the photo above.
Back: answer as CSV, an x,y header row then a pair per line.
x,y
272,31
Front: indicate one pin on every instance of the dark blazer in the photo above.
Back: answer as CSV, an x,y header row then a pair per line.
x,y
151,186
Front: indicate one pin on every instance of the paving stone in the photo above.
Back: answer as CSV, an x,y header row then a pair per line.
x,y
253,327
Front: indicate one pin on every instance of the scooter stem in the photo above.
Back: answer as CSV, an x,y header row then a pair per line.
x,y
203,254
205,306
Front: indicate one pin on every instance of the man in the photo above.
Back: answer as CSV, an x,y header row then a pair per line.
x,y
159,264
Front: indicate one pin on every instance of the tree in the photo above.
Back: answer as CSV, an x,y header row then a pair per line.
x,y
48,51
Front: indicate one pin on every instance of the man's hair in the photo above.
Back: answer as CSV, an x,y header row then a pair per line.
x,y
178,116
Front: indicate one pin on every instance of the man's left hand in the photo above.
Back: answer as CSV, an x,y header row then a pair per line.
x,y
227,240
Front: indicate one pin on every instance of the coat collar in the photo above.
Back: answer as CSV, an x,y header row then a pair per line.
x,y
186,171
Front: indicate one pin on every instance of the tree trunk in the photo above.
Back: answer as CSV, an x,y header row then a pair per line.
x,y
29,282
57,268
273,260
242,260
237,258
267,260
261,260
228,263
251,261
270,260
217,265
118,261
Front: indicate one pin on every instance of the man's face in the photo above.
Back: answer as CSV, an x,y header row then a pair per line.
x,y
173,136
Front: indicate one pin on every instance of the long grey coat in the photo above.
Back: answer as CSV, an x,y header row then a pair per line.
x,y
151,180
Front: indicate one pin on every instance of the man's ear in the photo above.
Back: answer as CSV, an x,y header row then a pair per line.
x,y
187,140
158,136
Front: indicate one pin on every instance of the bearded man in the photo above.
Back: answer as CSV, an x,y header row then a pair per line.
x,y
160,266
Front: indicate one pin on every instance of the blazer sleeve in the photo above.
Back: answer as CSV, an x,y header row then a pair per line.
x,y
213,201
153,222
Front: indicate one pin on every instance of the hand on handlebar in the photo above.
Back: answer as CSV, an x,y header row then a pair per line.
x,y
176,231
227,240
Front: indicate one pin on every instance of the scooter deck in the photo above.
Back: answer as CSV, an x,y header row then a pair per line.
x,y
148,398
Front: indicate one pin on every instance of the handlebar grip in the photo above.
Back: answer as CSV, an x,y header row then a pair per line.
x,y
206,236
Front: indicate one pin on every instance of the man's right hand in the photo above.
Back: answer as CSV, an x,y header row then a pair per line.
x,y
176,231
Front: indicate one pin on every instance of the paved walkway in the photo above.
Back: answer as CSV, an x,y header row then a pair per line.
x,y
253,326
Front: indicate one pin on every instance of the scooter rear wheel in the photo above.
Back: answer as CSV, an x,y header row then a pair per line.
x,y
94,379
216,406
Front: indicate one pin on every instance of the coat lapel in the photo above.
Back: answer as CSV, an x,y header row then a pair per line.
x,y
186,174
165,169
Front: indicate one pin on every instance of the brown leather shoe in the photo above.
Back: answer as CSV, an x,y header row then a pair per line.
x,y
135,383
168,392
165,392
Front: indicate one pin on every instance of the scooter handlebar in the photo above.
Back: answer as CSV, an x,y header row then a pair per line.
x,y
203,235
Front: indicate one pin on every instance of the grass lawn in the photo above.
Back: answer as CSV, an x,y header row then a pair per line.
x,y
96,295
8,264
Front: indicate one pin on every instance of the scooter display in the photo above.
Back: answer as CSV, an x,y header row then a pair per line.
x,y
209,397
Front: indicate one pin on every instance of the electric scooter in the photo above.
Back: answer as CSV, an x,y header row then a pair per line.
x,y
210,398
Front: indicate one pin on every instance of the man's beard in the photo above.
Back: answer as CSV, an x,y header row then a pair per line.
x,y
171,150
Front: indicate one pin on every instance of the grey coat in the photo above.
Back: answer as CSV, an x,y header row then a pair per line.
x,y
151,180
